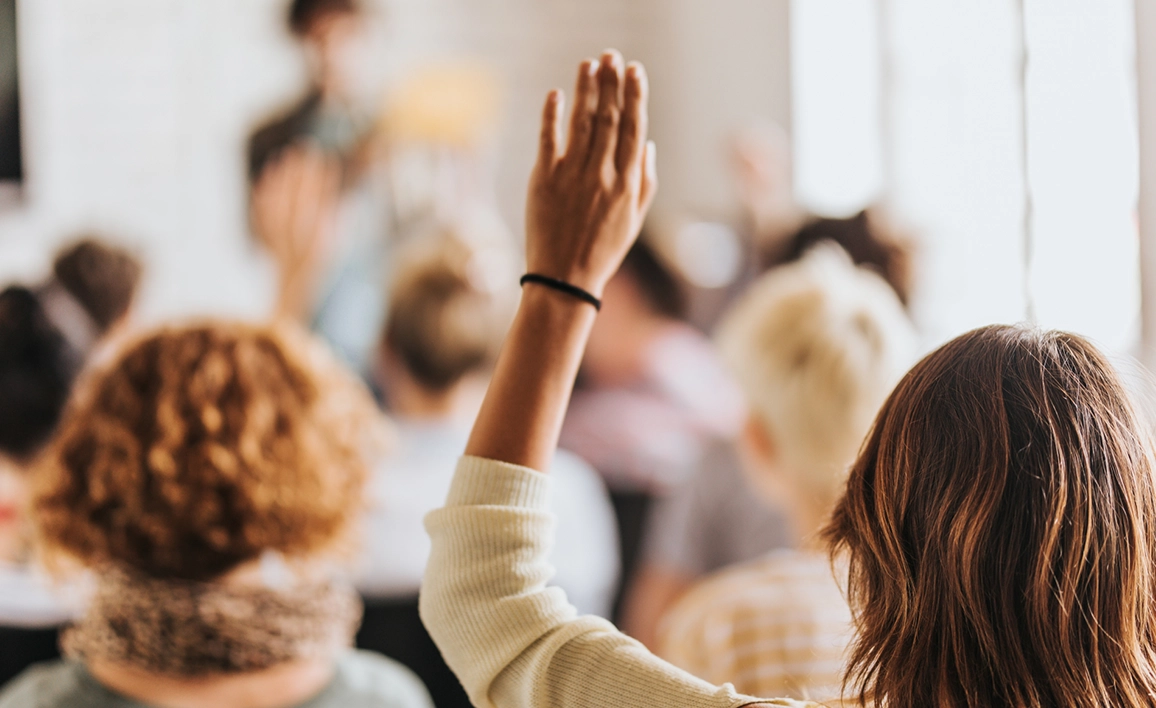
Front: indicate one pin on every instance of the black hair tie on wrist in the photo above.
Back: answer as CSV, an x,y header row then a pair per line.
x,y
562,286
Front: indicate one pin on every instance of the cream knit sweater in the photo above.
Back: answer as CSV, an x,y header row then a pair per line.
x,y
515,643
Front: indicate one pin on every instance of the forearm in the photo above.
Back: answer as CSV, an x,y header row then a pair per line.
x,y
522,414
513,641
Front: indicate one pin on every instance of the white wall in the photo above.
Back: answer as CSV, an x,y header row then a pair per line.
x,y
137,111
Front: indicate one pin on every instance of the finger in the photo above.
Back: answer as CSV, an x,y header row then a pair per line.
x,y
635,121
649,178
551,137
582,114
609,110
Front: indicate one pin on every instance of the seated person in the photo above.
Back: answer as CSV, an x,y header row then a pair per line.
x,y
998,524
712,520
652,399
100,278
817,346
46,334
207,478
438,345
782,231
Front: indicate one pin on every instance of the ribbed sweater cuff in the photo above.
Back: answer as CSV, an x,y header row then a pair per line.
x,y
483,482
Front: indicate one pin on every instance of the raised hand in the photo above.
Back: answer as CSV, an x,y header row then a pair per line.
x,y
293,211
590,192
588,197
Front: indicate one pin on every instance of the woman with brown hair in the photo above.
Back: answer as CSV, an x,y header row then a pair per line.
x,y
207,479
1000,523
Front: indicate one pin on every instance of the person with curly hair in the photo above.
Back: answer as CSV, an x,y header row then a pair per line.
x,y
209,478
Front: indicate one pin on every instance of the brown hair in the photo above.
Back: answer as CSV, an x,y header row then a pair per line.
x,y
37,369
999,528
441,325
102,278
304,13
871,242
203,446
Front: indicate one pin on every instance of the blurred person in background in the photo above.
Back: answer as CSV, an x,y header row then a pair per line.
x,y
713,520
776,229
208,479
331,277
439,342
328,115
817,346
782,230
652,397
47,333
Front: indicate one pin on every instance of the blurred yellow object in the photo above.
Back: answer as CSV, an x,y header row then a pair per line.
x,y
454,103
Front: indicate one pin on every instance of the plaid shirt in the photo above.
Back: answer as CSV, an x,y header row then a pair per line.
x,y
778,626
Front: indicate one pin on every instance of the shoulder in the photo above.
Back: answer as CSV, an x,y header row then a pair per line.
x,y
52,685
276,133
783,582
368,679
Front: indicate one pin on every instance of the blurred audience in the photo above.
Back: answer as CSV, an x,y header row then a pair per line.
x,y
652,397
208,478
780,230
713,520
817,346
439,343
326,115
46,335
325,230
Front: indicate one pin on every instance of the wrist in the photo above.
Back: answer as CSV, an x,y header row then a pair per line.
x,y
554,306
562,286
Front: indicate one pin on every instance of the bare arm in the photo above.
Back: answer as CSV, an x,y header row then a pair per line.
x,y
588,197
654,591
292,212
513,641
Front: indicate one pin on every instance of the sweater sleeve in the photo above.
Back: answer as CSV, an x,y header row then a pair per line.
x,y
512,641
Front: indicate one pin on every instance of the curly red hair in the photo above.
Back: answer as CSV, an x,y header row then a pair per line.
x,y
201,447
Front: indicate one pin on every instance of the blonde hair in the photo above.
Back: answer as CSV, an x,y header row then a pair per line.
x,y
443,322
201,447
817,345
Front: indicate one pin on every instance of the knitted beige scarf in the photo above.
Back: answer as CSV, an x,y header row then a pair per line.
x,y
185,628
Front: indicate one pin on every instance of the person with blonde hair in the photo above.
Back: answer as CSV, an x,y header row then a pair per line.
x,y
817,346
208,479
999,524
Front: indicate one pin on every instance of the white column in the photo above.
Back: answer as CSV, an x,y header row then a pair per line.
x,y
1146,103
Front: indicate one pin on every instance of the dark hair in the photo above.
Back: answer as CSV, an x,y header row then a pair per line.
x,y
303,13
440,325
866,241
658,284
102,278
37,369
999,525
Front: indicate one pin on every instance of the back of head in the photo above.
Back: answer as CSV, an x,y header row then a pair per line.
x,y
656,282
304,13
201,447
999,525
442,325
103,279
37,368
866,238
817,346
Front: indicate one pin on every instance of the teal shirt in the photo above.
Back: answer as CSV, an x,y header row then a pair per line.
x,y
362,680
